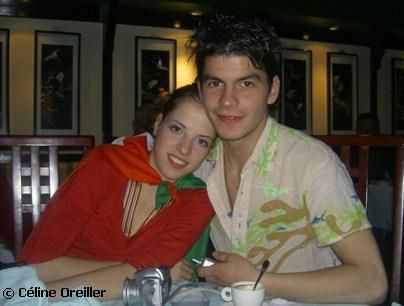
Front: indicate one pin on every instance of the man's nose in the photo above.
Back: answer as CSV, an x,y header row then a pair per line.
x,y
228,98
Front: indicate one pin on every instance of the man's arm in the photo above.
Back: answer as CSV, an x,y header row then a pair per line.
x,y
361,279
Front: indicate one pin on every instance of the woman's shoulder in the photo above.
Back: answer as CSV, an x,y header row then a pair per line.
x,y
96,171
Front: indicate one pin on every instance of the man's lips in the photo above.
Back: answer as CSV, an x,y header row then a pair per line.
x,y
229,119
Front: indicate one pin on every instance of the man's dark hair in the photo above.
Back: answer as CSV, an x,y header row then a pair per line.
x,y
236,35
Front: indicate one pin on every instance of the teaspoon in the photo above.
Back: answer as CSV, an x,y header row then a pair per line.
x,y
264,267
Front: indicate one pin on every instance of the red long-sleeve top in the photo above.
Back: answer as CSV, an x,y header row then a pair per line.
x,y
84,219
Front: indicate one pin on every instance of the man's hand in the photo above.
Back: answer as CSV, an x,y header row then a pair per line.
x,y
181,271
229,268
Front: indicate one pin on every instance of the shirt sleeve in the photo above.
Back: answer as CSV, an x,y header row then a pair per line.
x,y
183,225
334,206
68,211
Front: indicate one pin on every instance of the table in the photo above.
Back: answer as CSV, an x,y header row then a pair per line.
x,y
212,293
25,277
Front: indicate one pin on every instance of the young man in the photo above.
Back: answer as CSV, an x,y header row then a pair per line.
x,y
278,193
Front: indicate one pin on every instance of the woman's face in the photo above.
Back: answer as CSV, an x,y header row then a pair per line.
x,y
183,139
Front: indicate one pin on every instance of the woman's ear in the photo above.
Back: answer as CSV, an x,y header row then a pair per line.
x,y
157,123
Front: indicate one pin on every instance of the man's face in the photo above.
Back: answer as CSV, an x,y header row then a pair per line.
x,y
235,95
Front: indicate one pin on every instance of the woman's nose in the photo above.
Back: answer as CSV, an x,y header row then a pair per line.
x,y
184,146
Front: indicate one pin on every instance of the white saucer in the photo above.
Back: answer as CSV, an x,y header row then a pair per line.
x,y
265,303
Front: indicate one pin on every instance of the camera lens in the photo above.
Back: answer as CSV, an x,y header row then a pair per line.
x,y
131,294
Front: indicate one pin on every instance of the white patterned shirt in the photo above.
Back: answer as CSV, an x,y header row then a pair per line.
x,y
295,199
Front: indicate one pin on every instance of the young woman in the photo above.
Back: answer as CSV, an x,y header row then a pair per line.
x,y
124,208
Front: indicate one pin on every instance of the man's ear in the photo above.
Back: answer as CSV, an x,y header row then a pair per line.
x,y
157,123
199,90
274,91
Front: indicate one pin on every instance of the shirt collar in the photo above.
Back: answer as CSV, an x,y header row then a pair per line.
x,y
263,153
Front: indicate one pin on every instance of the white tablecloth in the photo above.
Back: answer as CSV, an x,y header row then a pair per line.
x,y
12,279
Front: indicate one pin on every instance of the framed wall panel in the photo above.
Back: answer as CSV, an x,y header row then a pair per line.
x,y
342,71
4,59
155,71
397,68
297,89
57,79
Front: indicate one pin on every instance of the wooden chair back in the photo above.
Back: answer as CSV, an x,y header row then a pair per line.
x,y
35,162
360,174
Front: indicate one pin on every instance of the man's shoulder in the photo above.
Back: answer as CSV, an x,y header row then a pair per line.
x,y
297,147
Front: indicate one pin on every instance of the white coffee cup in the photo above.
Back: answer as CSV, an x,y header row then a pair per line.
x,y
242,294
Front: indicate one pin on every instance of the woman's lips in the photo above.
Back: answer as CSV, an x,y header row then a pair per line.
x,y
176,162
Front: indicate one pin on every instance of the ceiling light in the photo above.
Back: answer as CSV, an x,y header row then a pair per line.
x,y
177,24
334,28
196,13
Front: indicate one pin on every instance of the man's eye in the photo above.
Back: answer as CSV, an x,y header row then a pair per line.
x,y
247,84
213,83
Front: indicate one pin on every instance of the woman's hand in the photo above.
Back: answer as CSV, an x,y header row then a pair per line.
x,y
181,271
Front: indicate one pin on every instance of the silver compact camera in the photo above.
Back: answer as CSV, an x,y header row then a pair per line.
x,y
204,262
149,287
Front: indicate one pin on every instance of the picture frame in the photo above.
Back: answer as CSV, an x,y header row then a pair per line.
x,y
155,69
342,79
4,66
397,69
57,83
297,89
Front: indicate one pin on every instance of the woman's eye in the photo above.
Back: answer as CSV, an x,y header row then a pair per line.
x,y
176,129
203,143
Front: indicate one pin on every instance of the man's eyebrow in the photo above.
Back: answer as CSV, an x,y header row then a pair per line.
x,y
246,77
250,76
209,77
